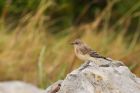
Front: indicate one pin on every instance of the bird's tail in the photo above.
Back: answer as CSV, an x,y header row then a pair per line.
x,y
105,58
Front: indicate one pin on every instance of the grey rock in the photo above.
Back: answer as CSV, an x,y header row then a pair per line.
x,y
97,78
18,87
100,76
53,87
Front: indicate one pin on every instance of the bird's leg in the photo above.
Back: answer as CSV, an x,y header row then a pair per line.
x,y
85,65
96,61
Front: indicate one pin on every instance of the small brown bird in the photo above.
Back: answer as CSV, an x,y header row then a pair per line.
x,y
84,52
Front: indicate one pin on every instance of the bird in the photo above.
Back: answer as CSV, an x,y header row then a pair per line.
x,y
84,52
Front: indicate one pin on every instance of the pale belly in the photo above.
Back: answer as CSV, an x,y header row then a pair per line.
x,y
84,57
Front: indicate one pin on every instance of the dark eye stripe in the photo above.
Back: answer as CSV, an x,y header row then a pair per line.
x,y
76,42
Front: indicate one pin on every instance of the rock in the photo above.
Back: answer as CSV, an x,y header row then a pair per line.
x,y
100,76
18,87
54,87
105,77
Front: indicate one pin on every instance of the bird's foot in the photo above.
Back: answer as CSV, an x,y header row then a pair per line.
x,y
85,65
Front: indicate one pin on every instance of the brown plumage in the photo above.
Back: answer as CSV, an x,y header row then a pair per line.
x,y
84,52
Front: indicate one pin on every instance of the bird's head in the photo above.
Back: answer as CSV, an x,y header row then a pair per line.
x,y
77,42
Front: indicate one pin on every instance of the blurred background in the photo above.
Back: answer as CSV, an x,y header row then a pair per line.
x,y
35,36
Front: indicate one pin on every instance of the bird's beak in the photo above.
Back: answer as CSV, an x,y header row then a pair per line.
x,y
72,43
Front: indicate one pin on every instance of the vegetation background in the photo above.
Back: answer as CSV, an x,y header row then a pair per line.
x,y
35,36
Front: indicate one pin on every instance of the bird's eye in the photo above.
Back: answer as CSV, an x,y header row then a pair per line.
x,y
76,43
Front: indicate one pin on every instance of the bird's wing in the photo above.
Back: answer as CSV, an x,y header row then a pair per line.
x,y
94,54
85,49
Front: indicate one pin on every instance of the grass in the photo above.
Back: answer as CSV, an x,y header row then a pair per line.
x,y
40,67
30,52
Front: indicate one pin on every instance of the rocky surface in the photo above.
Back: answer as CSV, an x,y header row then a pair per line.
x,y
100,76
18,87
105,77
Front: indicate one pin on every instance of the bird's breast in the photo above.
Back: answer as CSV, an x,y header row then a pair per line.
x,y
80,55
